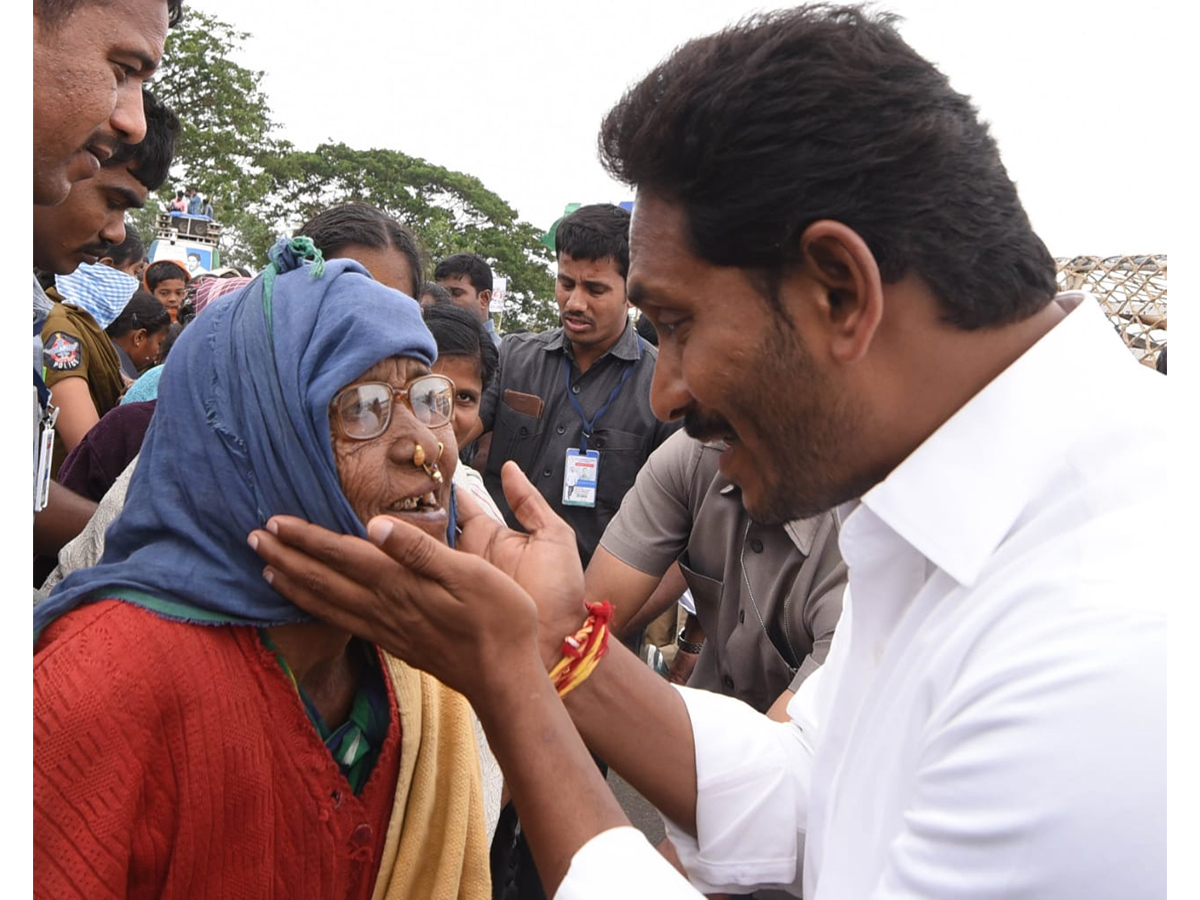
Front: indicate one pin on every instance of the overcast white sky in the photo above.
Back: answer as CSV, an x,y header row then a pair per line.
x,y
1078,93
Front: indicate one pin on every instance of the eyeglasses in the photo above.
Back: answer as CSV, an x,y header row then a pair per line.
x,y
364,411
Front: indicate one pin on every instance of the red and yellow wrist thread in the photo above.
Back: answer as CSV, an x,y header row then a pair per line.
x,y
582,650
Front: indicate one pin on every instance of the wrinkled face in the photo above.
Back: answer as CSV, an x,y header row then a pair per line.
x,y
591,301
387,265
171,292
737,372
468,388
378,475
87,88
83,227
463,293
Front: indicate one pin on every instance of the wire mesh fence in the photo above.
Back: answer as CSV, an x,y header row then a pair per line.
x,y
1133,292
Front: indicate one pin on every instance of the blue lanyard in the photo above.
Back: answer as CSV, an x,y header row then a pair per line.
x,y
590,426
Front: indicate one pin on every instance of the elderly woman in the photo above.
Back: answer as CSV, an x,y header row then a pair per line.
x,y
197,735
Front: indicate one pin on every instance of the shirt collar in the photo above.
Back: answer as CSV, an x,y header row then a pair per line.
x,y
959,493
803,532
41,303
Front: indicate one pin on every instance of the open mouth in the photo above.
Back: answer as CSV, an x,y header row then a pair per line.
x,y
427,502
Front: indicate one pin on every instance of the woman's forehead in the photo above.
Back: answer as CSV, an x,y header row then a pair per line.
x,y
398,369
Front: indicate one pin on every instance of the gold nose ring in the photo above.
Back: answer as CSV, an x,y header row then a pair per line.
x,y
431,469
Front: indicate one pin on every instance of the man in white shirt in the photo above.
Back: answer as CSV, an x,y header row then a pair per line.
x,y
849,293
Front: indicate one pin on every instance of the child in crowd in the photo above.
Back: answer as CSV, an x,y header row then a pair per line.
x,y
138,333
167,280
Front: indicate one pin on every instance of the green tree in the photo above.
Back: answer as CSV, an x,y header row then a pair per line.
x,y
261,185
451,212
227,133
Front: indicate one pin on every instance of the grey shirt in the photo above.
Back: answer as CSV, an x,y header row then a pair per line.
x,y
768,597
532,420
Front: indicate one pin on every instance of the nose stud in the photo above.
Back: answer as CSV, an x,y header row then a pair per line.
x,y
431,469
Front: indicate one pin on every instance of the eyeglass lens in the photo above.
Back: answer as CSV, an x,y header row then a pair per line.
x,y
365,410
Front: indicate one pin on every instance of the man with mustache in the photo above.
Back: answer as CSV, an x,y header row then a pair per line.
x,y
572,405
82,366
90,60
840,268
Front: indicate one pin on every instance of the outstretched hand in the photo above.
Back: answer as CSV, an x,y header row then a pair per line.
x,y
462,616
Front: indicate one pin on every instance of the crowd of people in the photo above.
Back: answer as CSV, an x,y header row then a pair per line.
x,y
341,592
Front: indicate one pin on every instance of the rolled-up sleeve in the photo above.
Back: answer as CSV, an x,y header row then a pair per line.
x,y
752,780
621,863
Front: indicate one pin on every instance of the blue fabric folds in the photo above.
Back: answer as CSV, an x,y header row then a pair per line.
x,y
241,433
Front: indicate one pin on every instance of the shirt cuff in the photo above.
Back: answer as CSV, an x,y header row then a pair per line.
x,y
752,780
620,862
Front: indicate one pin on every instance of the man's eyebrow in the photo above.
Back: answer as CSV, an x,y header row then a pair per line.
x,y
636,293
131,198
596,286
147,64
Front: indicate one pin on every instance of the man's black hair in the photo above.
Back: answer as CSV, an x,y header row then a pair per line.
x,y
436,291
51,13
824,112
646,329
150,159
360,223
595,232
142,311
475,267
129,249
165,270
458,333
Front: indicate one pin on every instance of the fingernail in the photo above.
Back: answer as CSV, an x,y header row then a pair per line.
x,y
272,527
379,529
268,575
252,541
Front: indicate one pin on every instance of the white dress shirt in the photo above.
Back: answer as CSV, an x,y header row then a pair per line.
x,y
991,720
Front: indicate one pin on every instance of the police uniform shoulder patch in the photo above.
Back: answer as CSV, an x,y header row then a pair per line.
x,y
63,352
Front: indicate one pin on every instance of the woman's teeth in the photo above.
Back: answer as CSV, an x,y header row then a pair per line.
x,y
427,501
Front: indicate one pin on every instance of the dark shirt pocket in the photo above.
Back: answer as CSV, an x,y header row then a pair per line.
x,y
622,455
706,594
514,436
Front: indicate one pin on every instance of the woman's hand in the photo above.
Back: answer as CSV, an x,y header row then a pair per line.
x,y
461,616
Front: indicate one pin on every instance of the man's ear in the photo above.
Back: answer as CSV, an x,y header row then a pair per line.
x,y
485,301
838,259
107,261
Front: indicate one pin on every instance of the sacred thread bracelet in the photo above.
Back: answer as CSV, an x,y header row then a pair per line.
x,y
583,649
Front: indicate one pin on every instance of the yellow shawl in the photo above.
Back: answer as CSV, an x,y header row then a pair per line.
x,y
436,845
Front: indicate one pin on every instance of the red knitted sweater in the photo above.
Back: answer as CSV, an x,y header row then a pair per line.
x,y
176,761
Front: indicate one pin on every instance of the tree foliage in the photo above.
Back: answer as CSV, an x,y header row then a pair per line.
x,y
227,130
262,186
451,212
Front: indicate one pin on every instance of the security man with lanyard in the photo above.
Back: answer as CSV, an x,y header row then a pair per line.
x,y
572,405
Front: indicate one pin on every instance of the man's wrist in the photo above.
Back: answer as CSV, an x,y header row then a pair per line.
x,y
687,646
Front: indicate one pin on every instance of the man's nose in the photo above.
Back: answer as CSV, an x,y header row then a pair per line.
x,y
669,397
128,119
113,231
576,301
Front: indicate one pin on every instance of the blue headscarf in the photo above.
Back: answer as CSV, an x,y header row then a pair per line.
x,y
241,433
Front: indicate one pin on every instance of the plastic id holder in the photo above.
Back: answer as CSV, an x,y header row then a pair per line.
x,y
579,477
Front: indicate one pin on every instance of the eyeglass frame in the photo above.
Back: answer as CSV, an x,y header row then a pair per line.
x,y
397,394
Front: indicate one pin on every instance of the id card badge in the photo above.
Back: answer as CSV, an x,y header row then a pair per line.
x,y
579,478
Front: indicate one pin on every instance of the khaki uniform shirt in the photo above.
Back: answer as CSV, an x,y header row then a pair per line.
x,y
768,597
